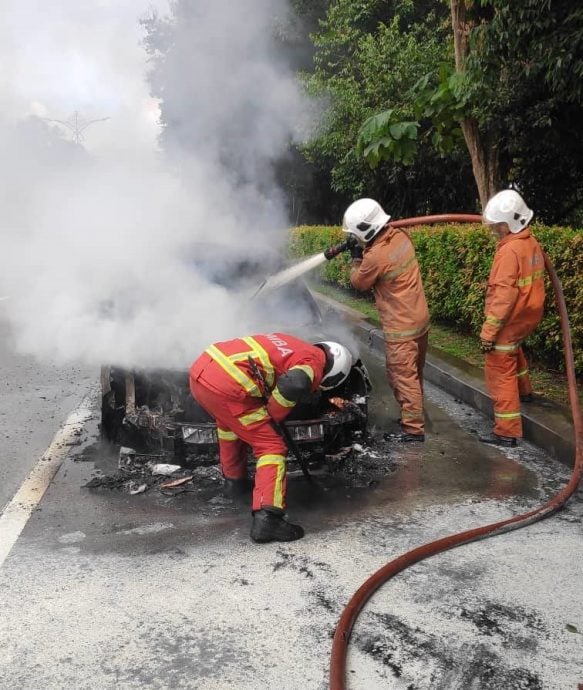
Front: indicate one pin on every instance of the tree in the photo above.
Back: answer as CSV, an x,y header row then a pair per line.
x,y
514,90
529,60
225,97
483,149
369,55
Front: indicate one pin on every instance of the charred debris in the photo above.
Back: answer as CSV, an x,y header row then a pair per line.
x,y
169,443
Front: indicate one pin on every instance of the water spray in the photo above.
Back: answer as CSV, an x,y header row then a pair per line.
x,y
297,270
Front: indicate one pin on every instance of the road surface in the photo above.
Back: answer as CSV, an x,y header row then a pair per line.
x,y
103,590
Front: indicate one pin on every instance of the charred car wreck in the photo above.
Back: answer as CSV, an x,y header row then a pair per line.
x,y
154,409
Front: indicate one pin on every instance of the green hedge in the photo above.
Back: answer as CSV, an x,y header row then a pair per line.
x,y
455,261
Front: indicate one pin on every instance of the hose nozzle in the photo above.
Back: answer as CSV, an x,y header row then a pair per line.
x,y
336,249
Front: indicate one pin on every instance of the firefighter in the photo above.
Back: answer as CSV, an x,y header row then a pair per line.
x,y
514,307
223,381
384,260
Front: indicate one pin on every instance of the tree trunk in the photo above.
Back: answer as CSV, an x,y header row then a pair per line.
x,y
485,161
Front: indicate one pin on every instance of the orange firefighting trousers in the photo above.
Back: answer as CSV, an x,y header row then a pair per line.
x,y
507,379
234,438
405,362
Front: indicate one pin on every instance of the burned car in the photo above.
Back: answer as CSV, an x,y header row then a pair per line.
x,y
154,409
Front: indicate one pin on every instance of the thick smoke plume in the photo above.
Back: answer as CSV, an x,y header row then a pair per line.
x,y
110,247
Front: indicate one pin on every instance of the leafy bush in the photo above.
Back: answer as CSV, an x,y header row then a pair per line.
x,y
455,262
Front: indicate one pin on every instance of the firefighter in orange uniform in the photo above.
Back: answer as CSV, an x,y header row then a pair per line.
x,y
514,307
222,380
385,261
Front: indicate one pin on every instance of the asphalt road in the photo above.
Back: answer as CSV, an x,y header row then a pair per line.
x,y
106,590
34,401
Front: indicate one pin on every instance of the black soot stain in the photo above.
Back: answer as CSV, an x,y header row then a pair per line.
x,y
395,645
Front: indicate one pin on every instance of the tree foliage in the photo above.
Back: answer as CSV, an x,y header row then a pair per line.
x,y
519,86
237,132
527,65
386,136
369,55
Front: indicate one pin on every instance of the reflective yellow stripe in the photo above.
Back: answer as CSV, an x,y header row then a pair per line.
x,y
405,334
524,372
225,435
506,415
522,282
306,369
411,414
239,357
494,321
242,379
274,459
511,347
279,462
284,402
228,363
263,357
256,416
389,275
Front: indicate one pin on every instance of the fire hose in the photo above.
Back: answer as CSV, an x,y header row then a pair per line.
x,y
397,565
336,249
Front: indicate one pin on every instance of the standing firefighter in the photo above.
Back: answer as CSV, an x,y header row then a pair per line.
x,y
514,307
225,381
385,261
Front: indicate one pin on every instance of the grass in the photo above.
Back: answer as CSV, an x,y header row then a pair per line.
x,y
551,384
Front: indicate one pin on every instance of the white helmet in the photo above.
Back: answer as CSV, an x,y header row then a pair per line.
x,y
508,207
339,361
364,218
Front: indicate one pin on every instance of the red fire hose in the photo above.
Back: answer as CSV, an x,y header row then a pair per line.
x,y
443,218
366,590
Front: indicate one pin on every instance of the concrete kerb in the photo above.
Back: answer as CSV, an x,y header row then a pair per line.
x,y
545,424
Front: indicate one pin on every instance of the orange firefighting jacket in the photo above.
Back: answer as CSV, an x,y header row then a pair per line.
x,y
289,367
390,268
516,291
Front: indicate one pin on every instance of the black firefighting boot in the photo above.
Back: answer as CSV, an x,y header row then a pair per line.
x,y
496,440
235,488
269,524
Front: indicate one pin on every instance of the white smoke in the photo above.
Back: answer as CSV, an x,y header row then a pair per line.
x,y
96,243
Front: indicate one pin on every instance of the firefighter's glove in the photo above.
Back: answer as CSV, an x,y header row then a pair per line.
x,y
486,345
356,252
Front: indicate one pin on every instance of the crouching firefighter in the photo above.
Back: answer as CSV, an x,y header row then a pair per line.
x,y
224,381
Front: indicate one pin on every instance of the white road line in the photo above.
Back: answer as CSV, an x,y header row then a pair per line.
x,y
17,513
